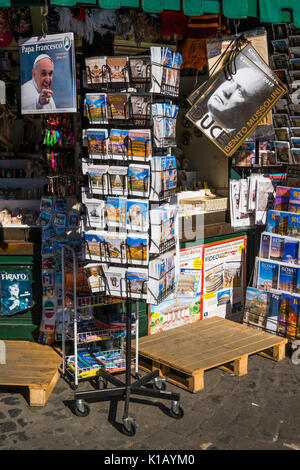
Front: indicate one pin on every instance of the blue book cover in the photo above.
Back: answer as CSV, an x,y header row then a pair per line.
x,y
287,278
294,202
264,246
293,318
274,306
290,251
277,222
276,248
283,314
282,198
293,225
267,275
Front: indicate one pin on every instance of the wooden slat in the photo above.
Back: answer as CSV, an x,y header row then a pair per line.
x,y
31,365
186,352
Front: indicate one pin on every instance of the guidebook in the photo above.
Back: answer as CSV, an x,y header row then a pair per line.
x,y
274,306
287,278
282,198
265,245
276,248
256,307
291,251
294,201
267,276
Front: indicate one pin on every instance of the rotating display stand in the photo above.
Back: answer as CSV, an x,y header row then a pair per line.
x,y
133,384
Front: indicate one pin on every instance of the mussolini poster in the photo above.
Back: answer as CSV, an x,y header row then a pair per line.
x,y
230,106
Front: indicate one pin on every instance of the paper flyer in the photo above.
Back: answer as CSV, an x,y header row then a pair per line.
x,y
48,74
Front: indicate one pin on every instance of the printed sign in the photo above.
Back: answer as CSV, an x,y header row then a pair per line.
x,y
15,291
48,74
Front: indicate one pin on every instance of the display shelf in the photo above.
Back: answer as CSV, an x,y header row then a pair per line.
x,y
95,334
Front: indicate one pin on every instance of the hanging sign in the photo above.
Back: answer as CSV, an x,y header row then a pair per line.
x,y
48,74
15,290
234,100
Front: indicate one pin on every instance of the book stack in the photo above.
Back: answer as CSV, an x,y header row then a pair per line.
x,y
273,300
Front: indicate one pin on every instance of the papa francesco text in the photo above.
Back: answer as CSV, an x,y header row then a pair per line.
x,y
41,47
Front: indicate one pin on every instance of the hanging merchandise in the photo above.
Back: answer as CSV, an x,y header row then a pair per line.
x,y
15,290
230,105
48,75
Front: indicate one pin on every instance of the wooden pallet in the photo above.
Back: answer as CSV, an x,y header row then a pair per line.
x,y
31,365
184,353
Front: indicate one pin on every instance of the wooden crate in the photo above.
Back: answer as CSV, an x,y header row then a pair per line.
x,y
31,365
183,354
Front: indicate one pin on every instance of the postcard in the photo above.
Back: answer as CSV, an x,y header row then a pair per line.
x,y
295,121
282,151
267,158
96,71
294,202
294,64
118,144
281,45
295,142
291,251
92,246
98,179
267,276
97,142
265,245
281,106
280,61
137,283
117,180
117,69
95,107
281,120
282,133
243,158
282,198
140,109
116,211
295,131
295,155
117,105
95,213
138,180
294,74
114,278
139,144
114,247
140,71
94,275
137,215
294,52
294,40
137,249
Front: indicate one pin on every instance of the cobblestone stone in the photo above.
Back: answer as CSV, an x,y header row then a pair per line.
x,y
221,417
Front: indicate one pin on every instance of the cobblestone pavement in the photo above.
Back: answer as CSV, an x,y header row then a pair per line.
x,y
259,411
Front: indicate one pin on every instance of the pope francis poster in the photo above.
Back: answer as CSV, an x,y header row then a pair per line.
x,y
48,74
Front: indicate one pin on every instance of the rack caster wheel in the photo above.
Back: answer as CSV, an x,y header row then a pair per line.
x,y
160,383
129,427
176,411
81,409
